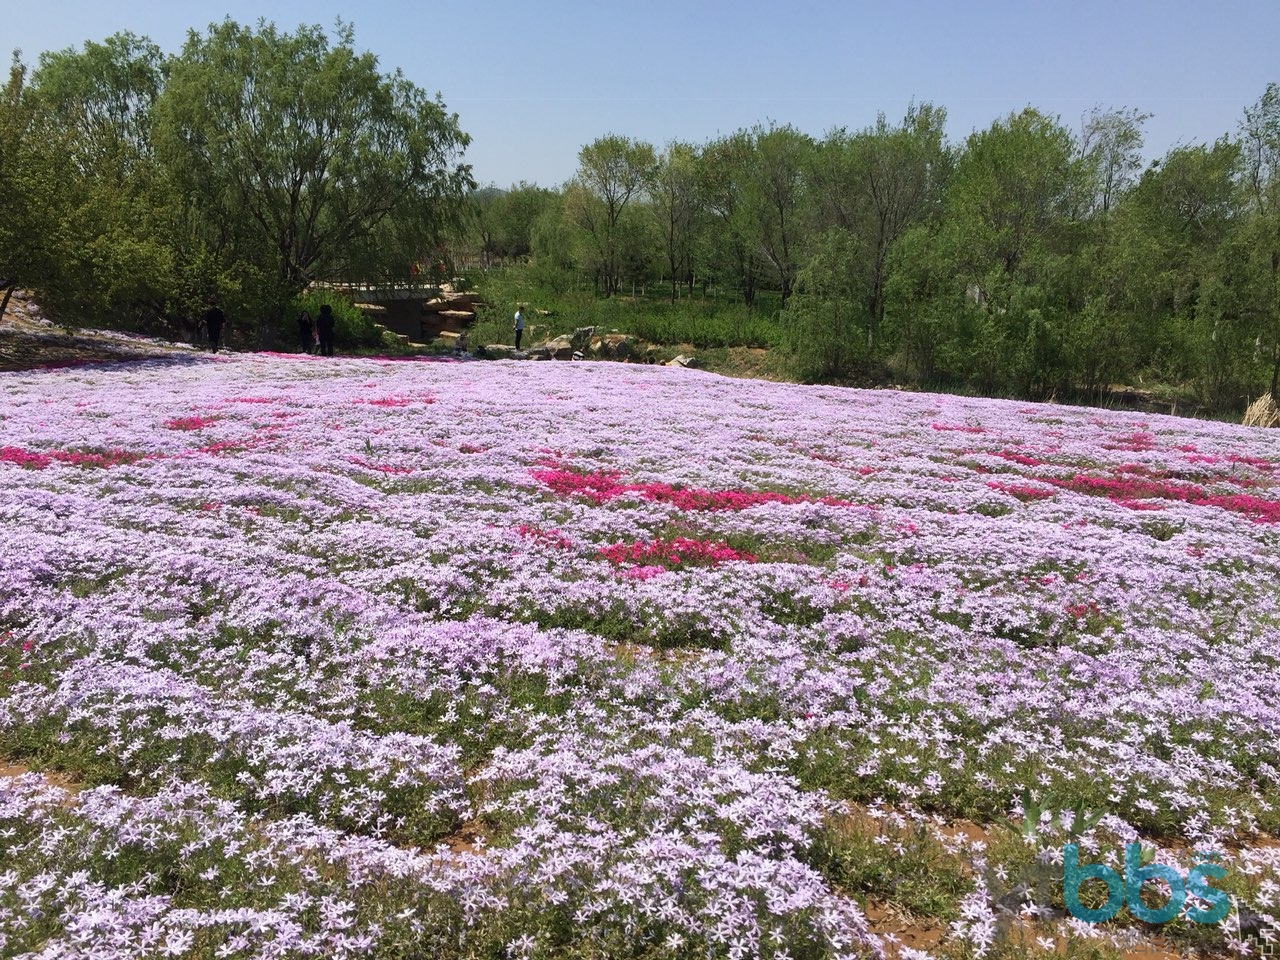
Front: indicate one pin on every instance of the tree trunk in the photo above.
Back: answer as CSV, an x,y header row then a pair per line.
x,y
8,292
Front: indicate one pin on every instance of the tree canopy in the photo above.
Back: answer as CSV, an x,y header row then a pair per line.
x,y
246,166
1030,258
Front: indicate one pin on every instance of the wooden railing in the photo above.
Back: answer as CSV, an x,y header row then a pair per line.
x,y
381,292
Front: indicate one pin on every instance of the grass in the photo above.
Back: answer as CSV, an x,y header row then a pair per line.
x,y
899,864
703,323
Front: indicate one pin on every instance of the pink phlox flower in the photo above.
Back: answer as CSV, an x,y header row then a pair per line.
x,y
190,423
677,552
552,538
380,467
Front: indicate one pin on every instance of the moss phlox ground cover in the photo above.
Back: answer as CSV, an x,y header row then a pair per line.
x,y
528,660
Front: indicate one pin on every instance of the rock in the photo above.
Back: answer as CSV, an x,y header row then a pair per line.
x,y
499,351
455,320
616,346
561,348
1263,412
581,338
451,298
682,361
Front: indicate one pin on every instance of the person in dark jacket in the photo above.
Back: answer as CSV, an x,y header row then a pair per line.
x,y
324,327
306,331
214,321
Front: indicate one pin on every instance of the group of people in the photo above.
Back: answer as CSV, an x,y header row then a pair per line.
x,y
317,335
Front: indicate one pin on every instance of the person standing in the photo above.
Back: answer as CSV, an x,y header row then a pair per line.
x,y
306,331
519,325
214,321
324,328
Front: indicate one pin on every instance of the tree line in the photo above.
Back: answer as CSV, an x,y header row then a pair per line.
x,y
1030,259
138,187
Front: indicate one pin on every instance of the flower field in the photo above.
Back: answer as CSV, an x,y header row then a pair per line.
x,y
420,659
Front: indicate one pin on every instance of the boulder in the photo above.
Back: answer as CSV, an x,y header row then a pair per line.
x,y
616,346
499,351
581,338
682,361
455,319
451,298
561,348
452,341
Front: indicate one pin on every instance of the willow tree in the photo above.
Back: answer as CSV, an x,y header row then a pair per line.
x,y
826,317
306,158
1260,143
82,193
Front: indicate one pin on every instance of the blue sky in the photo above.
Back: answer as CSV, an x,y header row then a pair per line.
x,y
532,83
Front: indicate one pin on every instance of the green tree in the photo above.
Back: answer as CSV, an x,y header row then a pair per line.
x,y
611,172
1110,145
673,193
876,184
1008,210
1102,340
1260,148
96,247
775,195
1014,187
728,247
553,243
19,225
924,307
304,160
484,222
1173,225
998,290
826,317
503,220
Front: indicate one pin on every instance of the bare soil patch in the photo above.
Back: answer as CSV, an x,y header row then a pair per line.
x,y
10,768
